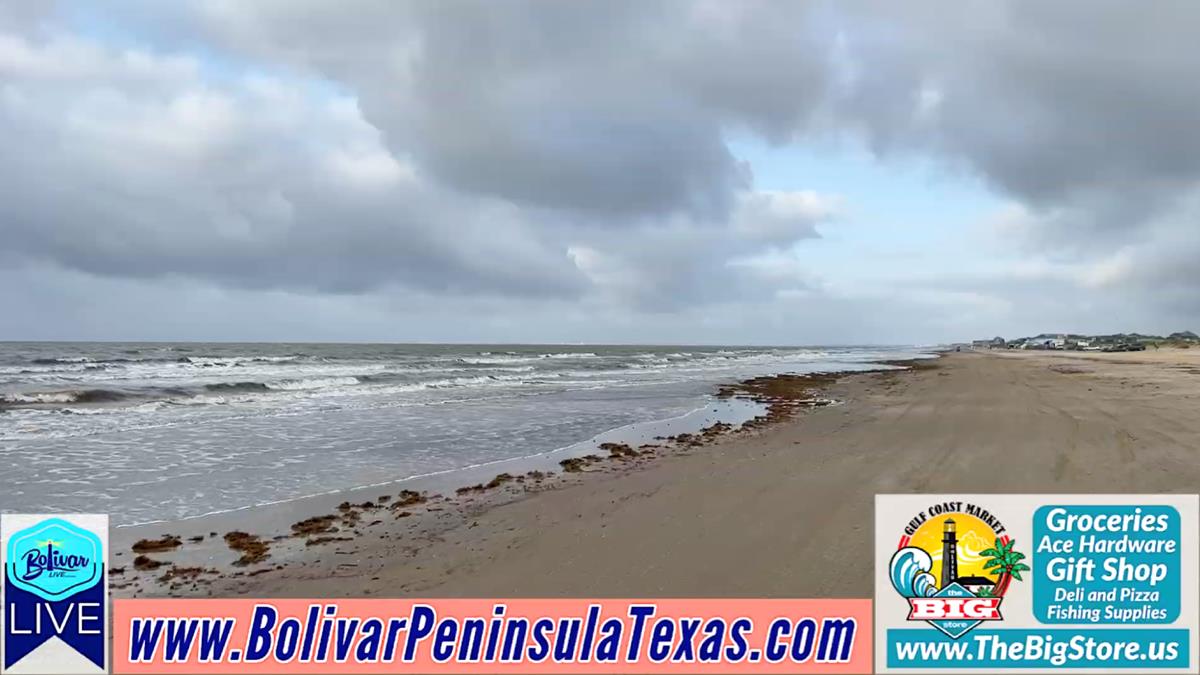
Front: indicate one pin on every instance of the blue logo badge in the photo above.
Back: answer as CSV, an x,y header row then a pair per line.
x,y
54,587
54,559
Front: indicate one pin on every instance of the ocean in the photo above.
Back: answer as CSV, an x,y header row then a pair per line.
x,y
155,431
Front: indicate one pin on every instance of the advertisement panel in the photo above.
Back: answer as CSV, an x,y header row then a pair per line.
x,y
1000,583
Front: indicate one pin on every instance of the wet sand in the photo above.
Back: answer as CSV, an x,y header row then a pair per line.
x,y
780,510
342,532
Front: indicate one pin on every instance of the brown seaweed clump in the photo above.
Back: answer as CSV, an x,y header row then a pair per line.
x,y
500,479
408,498
142,563
716,429
689,440
251,546
164,543
314,525
784,395
578,464
619,450
184,573
779,387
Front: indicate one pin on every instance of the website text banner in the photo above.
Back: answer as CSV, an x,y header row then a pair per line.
x,y
495,636
1037,583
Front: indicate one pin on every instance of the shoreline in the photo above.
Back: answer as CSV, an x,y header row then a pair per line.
x,y
199,555
782,510
446,479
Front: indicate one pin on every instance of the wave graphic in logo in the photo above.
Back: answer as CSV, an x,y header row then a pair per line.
x,y
909,572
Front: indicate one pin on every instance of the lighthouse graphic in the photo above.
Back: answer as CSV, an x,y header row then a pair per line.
x,y
955,591
949,553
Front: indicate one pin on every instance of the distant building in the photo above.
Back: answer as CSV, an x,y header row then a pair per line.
x,y
975,584
994,343
1113,342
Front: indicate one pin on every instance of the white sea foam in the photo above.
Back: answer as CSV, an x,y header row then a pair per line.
x,y
42,397
234,425
314,383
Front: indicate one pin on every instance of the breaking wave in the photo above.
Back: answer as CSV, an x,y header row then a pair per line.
x,y
909,572
59,397
313,383
237,386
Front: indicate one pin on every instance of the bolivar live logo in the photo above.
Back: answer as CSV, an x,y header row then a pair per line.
x,y
954,564
55,594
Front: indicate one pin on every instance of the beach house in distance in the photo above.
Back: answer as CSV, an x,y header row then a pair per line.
x,y
1116,342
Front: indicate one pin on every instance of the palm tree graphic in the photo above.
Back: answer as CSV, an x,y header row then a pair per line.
x,y
1006,562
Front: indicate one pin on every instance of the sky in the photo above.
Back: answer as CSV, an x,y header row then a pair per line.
x,y
617,171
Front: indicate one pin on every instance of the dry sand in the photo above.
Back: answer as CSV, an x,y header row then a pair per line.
x,y
786,511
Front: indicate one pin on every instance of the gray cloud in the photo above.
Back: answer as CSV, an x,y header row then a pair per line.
x,y
621,107
578,152
1086,106
615,109
128,165
461,152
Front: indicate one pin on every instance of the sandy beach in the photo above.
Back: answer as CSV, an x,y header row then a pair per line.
x,y
783,509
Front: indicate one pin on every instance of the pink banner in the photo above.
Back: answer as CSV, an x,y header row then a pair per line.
x,y
494,636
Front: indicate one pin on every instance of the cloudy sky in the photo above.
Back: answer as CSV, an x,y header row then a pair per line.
x,y
586,171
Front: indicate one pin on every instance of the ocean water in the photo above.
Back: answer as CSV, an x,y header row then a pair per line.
x,y
159,431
